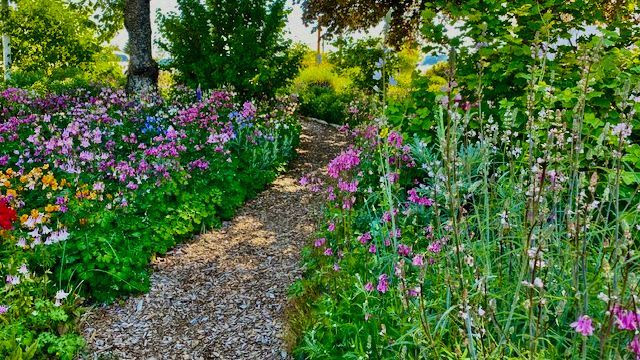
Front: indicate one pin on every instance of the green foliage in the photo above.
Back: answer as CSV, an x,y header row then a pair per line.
x,y
55,48
50,35
239,43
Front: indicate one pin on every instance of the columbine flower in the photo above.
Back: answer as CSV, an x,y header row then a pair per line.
x,y
368,287
626,319
583,325
364,238
404,250
414,292
23,269
383,283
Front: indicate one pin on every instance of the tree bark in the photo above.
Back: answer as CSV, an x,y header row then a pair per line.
x,y
143,70
6,47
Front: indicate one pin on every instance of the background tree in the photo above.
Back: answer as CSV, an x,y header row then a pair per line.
x,y
223,42
339,16
50,35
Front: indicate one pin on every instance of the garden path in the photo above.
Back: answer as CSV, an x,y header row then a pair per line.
x,y
223,295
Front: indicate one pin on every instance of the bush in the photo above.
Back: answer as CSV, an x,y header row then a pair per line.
x,y
212,46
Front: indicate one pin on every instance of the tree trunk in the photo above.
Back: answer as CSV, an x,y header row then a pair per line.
x,y
6,48
143,70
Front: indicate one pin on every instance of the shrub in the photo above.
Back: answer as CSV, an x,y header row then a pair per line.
x,y
213,46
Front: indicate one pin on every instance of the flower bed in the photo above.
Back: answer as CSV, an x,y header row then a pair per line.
x,y
93,186
482,244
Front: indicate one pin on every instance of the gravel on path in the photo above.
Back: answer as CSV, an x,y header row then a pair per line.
x,y
223,295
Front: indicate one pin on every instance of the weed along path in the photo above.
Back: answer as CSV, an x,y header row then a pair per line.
x,y
223,295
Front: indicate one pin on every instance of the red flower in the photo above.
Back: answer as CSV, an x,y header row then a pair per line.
x,y
7,215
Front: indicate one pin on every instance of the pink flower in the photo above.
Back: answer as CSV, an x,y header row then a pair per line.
x,y
435,247
418,260
331,226
383,283
626,319
415,291
319,242
404,250
336,267
395,139
368,287
372,249
328,252
583,325
364,238
347,160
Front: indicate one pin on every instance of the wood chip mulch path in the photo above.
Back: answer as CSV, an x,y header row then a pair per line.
x,y
223,295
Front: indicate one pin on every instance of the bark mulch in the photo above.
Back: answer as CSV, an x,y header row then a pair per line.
x,y
223,295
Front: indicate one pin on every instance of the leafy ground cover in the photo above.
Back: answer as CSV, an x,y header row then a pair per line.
x,y
92,185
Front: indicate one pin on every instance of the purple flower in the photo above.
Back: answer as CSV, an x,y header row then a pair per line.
x,y
368,287
383,283
404,250
3,309
372,249
364,238
418,260
328,252
583,325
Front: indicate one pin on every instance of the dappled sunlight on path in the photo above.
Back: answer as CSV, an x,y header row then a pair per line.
x,y
223,295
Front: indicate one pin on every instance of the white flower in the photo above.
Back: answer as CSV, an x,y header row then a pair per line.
x,y
61,295
538,283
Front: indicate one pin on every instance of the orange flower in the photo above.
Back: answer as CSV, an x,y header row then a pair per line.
x,y
51,208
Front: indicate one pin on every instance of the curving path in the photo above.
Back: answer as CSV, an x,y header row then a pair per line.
x,y
223,295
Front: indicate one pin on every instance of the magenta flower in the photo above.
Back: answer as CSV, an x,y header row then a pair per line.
x,y
328,252
372,249
364,238
404,250
319,242
331,226
3,309
583,325
626,319
383,283
368,287
418,260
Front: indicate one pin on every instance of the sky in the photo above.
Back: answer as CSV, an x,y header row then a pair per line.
x,y
295,28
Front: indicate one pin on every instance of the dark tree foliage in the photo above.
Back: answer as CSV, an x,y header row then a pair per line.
x,y
341,16
241,43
